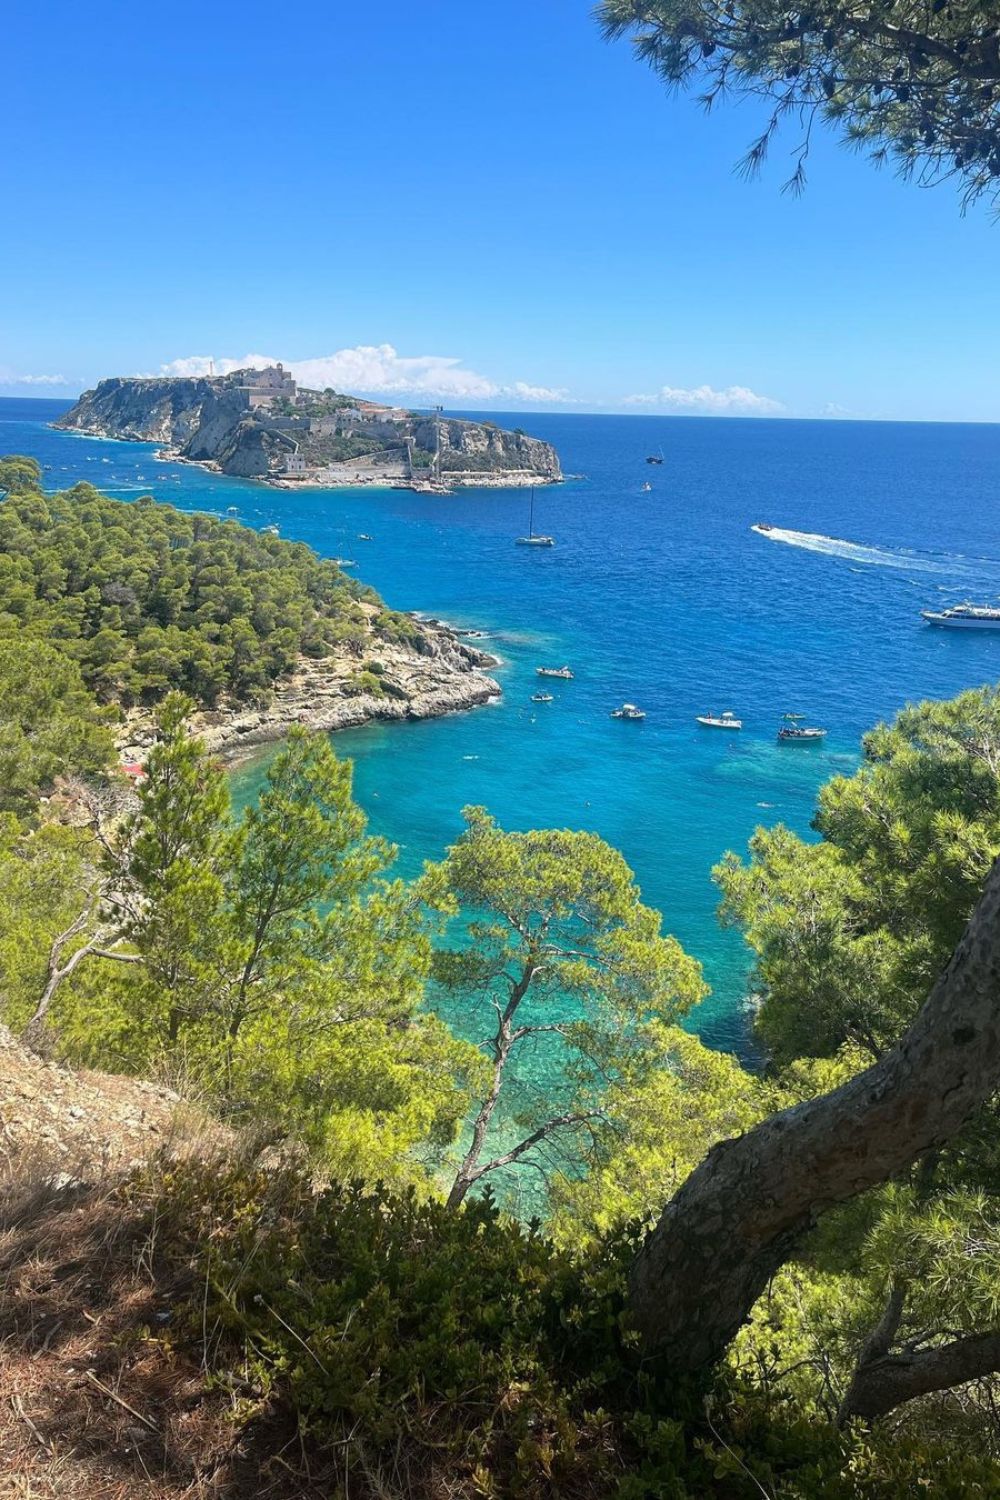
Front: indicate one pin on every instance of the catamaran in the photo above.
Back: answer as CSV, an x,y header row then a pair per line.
x,y
791,732
727,720
531,540
965,617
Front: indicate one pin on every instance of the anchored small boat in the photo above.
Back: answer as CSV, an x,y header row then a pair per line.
x,y
563,672
270,530
533,539
720,721
655,458
542,698
792,732
364,537
628,711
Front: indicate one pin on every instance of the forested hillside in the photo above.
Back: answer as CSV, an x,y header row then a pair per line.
x,y
145,597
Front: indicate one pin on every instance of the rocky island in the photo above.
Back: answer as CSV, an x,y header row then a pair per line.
x,y
259,424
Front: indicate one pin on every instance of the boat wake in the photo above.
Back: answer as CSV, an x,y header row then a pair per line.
x,y
872,557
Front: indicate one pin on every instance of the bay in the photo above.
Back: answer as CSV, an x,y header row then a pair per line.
x,y
664,597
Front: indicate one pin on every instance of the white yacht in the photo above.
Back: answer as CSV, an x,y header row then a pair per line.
x,y
965,617
563,672
628,711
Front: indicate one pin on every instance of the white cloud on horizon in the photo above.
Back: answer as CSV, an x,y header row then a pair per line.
x,y
7,377
733,401
379,370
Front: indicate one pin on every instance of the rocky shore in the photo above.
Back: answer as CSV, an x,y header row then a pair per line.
x,y
434,675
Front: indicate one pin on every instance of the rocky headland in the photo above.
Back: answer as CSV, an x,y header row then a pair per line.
x,y
259,424
432,674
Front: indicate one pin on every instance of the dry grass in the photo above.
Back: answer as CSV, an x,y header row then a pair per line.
x,y
98,1398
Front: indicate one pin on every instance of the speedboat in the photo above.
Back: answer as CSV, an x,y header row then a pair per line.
x,y
964,617
720,721
792,732
628,711
563,672
364,537
542,698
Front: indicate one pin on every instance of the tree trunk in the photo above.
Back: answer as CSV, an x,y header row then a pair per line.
x,y
734,1221
883,1384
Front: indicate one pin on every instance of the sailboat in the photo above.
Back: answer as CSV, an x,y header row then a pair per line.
x,y
532,540
655,458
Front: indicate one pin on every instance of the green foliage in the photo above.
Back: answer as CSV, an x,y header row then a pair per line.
x,y
365,682
655,1132
147,598
43,876
50,725
851,932
555,951
915,81
18,474
429,1352
277,960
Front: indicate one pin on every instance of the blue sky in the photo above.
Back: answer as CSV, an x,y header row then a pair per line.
x,y
485,203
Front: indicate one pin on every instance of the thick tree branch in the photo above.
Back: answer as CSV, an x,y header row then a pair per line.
x,y
736,1218
883,1384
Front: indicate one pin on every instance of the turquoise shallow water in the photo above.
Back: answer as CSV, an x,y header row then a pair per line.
x,y
665,598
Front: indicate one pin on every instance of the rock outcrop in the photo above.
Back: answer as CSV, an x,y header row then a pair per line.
x,y
432,675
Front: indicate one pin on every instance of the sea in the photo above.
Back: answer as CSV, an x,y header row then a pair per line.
x,y
657,592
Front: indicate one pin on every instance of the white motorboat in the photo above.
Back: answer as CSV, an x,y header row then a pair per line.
x,y
727,720
562,672
628,711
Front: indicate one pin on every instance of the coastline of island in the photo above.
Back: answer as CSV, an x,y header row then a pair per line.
x,y
260,425
435,674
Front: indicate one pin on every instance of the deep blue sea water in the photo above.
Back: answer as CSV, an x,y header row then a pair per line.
x,y
665,598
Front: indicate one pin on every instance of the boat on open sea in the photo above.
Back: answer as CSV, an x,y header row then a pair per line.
x,y
964,617
628,711
563,672
532,539
727,720
655,458
793,732
542,698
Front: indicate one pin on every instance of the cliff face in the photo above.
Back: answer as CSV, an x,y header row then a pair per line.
x,y
481,445
260,425
151,411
